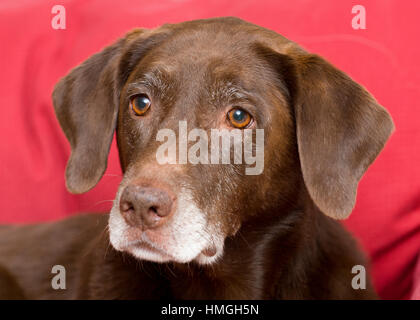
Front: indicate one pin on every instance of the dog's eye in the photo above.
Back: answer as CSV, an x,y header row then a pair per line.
x,y
140,104
239,118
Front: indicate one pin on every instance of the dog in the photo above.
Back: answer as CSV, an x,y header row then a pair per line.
x,y
206,231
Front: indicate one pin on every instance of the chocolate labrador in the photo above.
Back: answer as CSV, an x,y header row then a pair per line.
x,y
185,227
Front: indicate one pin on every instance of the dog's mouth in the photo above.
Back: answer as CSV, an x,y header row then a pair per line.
x,y
143,245
210,251
148,250
153,252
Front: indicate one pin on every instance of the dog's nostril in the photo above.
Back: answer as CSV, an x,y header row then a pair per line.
x,y
153,209
127,206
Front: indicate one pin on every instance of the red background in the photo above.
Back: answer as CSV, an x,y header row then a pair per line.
x,y
384,58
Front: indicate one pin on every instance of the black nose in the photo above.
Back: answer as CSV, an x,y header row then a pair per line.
x,y
145,207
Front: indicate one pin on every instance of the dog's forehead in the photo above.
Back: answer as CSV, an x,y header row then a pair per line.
x,y
197,54
201,40
202,43
224,32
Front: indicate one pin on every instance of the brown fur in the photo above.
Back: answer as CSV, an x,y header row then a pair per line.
x,y
322,131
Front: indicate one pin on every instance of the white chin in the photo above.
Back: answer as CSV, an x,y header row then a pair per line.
x,y
155,256
149,255
148,252
145,251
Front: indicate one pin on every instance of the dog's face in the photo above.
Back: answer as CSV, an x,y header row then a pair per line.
x,y
305,119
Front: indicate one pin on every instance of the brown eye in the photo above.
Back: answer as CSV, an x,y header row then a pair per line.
x,y
140,104
239,118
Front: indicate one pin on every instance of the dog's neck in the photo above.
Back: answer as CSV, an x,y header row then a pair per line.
x,y
255,261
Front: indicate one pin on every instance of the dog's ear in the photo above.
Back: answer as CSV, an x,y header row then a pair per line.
x,y
340,128
86,105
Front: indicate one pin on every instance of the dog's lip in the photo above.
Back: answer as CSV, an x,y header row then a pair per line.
x,y
209,251
144,245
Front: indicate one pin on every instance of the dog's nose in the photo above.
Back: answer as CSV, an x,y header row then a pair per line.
x,y
145,207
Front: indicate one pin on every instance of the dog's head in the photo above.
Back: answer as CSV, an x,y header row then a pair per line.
x,y
166,91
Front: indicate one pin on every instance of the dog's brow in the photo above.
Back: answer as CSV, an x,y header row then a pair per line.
x,y
227,91
155,79
232,91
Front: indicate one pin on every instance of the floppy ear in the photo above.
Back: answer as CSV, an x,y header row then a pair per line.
x,y
340,129
86,105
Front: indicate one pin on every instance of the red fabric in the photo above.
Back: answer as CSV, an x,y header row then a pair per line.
x,y
384,58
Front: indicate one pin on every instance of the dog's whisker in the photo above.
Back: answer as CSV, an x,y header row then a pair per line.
x,y
102,201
